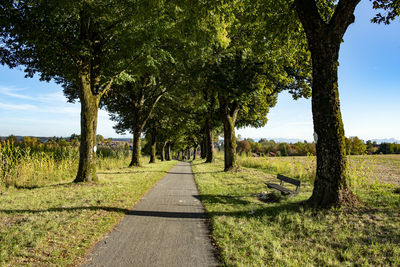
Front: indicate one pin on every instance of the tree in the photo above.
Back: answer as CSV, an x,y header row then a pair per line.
x,y
325,23
371,148
99,138
391,7
355,146
150,147
131,103
27,140
156,130
243,146
255,45
83,45
244,96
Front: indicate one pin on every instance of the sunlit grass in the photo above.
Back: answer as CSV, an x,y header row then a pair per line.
x,y
249,232
56,225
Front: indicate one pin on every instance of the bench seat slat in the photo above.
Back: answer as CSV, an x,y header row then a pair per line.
x,y
284,190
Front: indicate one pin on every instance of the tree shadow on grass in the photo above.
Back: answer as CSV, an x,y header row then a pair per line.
x,y
208,172
184,173
223,199
43,186
258,211
200,163
143,213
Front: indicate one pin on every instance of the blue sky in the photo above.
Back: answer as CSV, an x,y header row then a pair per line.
x,y
369,85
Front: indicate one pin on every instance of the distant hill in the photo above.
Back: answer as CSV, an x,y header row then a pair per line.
x,y
20,138
44,138
277,140
122,139
387,140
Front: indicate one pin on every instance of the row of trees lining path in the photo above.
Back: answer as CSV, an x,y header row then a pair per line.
x,y
182,72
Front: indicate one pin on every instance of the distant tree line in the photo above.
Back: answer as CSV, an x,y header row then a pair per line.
x,y
354,146
266,147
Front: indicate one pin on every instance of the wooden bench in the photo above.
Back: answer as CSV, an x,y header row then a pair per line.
x,y
284,190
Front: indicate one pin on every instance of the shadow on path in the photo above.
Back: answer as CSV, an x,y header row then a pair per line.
x,y
218,199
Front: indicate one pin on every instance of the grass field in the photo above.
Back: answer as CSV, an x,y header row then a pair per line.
x,y
249,232
56,224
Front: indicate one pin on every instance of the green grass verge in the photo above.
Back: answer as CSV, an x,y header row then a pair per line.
x,y
59,224
249,232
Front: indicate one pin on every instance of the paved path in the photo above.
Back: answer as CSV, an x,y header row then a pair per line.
x,y
166,228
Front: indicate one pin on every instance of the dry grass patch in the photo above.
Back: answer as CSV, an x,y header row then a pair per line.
x,y
58,224
249,232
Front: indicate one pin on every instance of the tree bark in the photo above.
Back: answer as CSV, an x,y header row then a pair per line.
x,y
169,151
203,149
187,153
163,156
153,146
136,147
330,186
89,110
229,116
195,151
210,155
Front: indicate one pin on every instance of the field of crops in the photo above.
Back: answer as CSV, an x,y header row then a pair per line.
x,y
367,169
29,166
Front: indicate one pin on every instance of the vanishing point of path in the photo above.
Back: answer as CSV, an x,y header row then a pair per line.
x,y
167,227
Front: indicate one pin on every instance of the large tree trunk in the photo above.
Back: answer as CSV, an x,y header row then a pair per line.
x,y
229,143
229,115
89,110
153,146
210,156
330,186
136,146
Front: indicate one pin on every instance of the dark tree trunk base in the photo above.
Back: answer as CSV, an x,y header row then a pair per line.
x,y
135,164
231,169
345,198
84,179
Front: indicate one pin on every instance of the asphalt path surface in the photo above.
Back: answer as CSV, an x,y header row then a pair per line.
x,y
167,227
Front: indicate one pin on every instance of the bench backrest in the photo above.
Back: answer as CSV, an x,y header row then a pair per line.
x,y
289,180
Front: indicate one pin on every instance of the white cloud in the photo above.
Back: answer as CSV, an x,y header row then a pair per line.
x,y
43,103
12,92
17,106
56,97
73,110
52,98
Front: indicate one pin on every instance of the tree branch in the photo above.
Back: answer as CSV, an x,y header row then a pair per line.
x,y
309,16
343,16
